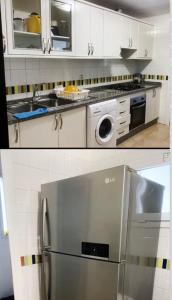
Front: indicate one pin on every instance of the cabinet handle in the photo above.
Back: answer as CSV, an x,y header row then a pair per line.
x,y
123,122
92,49
122,102
146,52
16,133
154,93
131,42
49,46
61,122
56,122
4,44
121,132
89,49
122,112
43,45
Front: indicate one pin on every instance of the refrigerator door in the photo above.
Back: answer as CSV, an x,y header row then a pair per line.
x,y
69,277
145,199
87,215
142,248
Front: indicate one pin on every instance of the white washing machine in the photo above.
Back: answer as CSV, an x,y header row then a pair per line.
x,y
101,124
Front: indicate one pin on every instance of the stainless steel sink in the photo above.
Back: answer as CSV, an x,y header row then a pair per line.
x,y
48,102
24,107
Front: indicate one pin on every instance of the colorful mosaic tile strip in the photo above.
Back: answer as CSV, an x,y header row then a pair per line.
x,y
30,260
161,263
13,90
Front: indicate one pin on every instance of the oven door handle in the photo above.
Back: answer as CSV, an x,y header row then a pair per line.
x,y
139,106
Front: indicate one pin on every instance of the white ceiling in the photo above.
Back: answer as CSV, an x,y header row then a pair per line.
x,y
137,8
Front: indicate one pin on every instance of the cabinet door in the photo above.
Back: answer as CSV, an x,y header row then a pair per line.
x,y
124,31
4,31
156,103
26,26
39,133
14,138
72,129
82,29
134,34
96,32
112,35
152,105
60,27
146,38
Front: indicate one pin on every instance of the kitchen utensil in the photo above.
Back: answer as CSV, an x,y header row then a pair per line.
x,y
33,23
18,24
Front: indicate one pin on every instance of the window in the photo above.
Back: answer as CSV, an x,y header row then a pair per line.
x,y
161,175
3,209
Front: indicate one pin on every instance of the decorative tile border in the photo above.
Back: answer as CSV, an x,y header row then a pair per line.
x,y
161,263
155,77
30,260
13,90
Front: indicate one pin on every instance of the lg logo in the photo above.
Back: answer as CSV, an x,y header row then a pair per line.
x,y
109,180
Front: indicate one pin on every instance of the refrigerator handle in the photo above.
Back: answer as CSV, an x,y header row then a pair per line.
x,y
44,244
46,276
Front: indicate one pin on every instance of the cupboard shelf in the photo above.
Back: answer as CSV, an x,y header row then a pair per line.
x,y
59,37
25,33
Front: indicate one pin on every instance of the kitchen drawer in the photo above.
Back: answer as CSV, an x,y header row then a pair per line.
x,y
123,121
123,106
123,131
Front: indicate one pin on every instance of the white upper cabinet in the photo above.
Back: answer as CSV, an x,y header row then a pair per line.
x,y
4,32
112,35
96,23
60,27
88,30
26,26
146,38
72,28
129,29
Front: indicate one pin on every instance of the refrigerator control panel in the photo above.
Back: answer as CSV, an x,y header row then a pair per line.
x,y
95,250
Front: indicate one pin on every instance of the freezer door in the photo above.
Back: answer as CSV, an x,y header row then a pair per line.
x,y
70,277
145,199
87,215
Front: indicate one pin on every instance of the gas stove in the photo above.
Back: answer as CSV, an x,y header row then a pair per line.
x,y
128,86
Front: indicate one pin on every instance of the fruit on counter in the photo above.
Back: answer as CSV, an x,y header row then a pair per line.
x,y
71,89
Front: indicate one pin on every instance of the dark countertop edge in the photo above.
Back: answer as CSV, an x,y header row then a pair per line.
x,y
75,105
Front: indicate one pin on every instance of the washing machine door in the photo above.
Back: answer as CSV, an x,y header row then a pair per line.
x,y
105,129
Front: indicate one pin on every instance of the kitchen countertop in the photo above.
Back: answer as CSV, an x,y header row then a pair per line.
x,y
96,95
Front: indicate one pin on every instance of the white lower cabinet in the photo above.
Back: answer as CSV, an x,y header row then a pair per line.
x,y
64,130
152,105
72,129
123,116
39,133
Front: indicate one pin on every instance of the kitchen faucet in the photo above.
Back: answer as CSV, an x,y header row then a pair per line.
x,y
35,98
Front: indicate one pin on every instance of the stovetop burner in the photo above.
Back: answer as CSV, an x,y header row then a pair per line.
x,y
128,86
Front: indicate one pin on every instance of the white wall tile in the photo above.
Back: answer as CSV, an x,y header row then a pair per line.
x,y
18,77
18,63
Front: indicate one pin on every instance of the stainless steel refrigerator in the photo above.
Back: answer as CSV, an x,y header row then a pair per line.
x,y
96,228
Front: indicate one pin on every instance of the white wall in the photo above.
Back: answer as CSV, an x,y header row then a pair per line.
x,y
25,170
6,285
21,71
160,65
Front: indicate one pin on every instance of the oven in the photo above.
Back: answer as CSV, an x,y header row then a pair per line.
x,y
137,111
